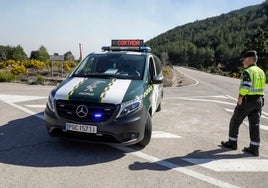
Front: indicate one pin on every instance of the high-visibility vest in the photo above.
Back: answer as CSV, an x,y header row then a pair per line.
x,y
256,84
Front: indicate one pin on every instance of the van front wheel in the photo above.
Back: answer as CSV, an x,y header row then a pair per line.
x,y
147,131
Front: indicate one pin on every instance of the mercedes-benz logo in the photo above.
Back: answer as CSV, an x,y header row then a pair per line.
x,y
82,111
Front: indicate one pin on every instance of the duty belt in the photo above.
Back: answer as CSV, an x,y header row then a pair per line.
x,y
252,97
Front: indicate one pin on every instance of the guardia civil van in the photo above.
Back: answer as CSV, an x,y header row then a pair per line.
x,y
110,96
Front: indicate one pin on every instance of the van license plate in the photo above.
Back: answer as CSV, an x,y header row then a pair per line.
x,y
81,128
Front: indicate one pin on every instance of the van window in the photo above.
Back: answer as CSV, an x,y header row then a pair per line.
x,y
119,65
151,69
158,65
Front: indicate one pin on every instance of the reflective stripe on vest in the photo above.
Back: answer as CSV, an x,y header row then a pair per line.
x,y
256,84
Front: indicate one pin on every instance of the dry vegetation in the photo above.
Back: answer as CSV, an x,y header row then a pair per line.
x,y
38,73
173,78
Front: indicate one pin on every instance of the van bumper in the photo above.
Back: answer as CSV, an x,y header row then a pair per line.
x,y
127,130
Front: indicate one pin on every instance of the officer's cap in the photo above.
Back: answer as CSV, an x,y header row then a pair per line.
x,y
251,53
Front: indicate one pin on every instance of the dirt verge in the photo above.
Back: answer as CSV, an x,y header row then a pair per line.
x,y
179,79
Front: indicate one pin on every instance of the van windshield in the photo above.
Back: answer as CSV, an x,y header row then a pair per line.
x,y
119,65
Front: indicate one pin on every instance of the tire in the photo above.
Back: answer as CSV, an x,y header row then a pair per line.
x,y
52,132
147,131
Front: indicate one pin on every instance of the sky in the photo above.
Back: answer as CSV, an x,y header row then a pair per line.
x,y
60,25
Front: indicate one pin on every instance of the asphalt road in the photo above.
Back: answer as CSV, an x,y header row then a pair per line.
x,y
184,150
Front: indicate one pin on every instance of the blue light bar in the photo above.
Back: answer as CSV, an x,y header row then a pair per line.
x,y
145,49
105,48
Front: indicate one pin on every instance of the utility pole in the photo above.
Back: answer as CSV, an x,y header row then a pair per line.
x,y
80,50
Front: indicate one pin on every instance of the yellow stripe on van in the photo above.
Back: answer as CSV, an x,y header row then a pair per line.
x,y
106,89
75,87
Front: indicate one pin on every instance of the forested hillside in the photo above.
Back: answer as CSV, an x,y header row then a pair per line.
x,y
217,43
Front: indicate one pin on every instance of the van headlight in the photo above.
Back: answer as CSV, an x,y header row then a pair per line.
x,y
129,106
51,103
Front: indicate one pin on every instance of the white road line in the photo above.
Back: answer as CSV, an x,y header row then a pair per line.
x,y
195,80
229,110
263,127
265,113
201,100
230,97
231,165
36,106
232,110
174,167
11,99
162,134
18,98
235,99
40,116
209,96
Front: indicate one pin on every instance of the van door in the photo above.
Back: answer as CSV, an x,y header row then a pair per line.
x,y
157,91
158,70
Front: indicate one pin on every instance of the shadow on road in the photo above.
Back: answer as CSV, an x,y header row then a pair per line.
x,y
26,142
197,155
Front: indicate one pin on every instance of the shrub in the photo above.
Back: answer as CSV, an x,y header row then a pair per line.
x,y
40,78
3,64
34,64
6,76
69,65
66,67
11,62
168,75
166,71
236,75
72,63
18,69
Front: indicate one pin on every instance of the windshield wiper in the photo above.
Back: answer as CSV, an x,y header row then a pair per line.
x,y
95,75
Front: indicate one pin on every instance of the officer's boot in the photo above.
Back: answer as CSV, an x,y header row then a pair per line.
x,y
254,150
229,144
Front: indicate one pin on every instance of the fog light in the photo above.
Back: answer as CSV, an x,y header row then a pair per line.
x,y
133,135
97,115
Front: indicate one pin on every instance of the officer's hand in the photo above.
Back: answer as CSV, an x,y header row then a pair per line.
x,y
239,100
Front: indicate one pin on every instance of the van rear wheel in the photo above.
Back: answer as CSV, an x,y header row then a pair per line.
x,y
147,131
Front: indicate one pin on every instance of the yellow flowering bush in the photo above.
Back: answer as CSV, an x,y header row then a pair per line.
x,y
18,69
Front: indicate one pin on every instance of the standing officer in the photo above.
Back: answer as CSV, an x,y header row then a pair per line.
x,y
249,104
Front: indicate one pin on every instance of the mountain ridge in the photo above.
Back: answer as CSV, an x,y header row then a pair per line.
x,y
216,40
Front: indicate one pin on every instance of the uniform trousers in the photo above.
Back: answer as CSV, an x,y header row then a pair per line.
x,y
251,107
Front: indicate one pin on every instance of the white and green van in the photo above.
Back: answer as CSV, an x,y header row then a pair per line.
x,y
110,96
